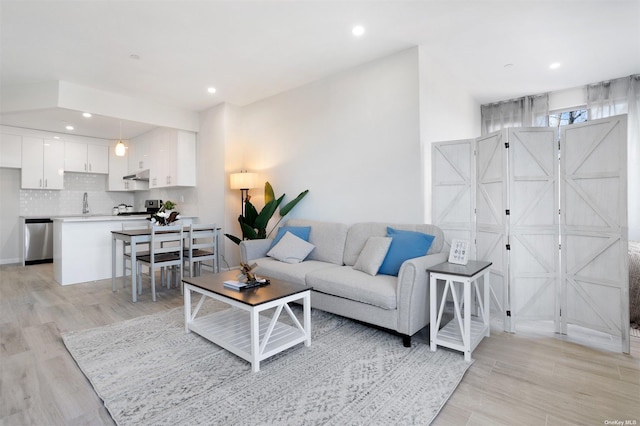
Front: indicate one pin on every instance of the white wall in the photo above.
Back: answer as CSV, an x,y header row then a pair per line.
x,y
352,139
447,112
211,184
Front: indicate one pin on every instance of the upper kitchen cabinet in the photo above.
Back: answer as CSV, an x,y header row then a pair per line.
x,y
42,163
140,153
174,162
10,151
119,167
86,158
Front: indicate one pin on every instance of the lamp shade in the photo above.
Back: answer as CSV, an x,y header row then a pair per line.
x,y
243,180
120,149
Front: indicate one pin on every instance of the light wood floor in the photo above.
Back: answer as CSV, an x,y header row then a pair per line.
x,y
515,380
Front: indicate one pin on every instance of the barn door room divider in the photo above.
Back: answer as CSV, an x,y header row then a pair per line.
x,y
553,222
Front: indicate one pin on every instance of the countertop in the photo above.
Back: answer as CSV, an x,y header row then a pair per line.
x,y
104,218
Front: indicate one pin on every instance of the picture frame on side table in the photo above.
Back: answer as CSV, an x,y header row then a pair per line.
x,y
459,253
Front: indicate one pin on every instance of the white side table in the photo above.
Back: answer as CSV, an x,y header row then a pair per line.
x,y
464,332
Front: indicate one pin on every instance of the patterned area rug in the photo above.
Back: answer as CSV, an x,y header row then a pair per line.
x,y
149,371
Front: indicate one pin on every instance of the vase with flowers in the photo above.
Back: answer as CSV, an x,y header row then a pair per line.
x,y
166,215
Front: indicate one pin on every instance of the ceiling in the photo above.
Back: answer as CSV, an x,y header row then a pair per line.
x,y
250,50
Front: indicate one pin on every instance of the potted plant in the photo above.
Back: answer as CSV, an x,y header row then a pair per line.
x,y
254,224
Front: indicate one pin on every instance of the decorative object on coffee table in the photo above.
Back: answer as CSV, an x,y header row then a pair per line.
x,y
248,277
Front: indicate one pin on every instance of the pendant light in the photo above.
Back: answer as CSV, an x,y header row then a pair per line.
x,y
120,148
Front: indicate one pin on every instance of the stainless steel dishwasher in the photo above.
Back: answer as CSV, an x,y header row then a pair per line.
x,y
38,241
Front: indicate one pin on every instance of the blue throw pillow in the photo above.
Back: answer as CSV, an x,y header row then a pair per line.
x,y
404,245
299,231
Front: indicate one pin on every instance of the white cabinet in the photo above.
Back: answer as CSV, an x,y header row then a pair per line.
x,y
10,151
140,153
174,162
42,163
86,158
119,167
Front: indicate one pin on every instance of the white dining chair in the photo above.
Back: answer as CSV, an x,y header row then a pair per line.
x,y
201,246
141,250
165,251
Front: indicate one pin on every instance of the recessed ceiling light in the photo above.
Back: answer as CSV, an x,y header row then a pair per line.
x,y
56,137
358,31
211,90
554,66
69,127
86,114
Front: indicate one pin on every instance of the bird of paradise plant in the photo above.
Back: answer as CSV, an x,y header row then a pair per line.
x,y
254,224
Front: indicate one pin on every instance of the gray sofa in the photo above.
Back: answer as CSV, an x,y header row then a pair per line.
x,y
397,303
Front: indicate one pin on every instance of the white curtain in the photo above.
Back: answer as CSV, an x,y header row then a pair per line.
x,y
528,111
614,97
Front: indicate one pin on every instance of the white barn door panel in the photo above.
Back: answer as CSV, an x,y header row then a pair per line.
x,y
454,189
533,225
595,270
491,222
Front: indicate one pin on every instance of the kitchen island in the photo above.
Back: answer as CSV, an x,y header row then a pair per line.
x,y
82,246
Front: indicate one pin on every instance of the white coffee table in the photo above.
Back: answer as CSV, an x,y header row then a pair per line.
x,y
240,328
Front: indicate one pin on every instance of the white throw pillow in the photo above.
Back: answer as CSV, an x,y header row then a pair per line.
x,y
291,249
373,254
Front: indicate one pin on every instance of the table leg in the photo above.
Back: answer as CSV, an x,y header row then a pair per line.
x,y
467,318
113,263
255,344
134,273
307,318
487,301
187,307
433,306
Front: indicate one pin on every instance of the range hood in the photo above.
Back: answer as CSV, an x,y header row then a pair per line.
x,y
142,176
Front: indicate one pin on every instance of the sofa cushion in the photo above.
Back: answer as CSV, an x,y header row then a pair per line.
x,y
346,282
290,272
329,239
291,249
298,231
405,245
359,233
372,255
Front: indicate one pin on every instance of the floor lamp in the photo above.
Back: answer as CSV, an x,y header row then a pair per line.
x,y
243,181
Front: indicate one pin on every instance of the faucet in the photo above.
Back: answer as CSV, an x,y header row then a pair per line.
x,y
85,204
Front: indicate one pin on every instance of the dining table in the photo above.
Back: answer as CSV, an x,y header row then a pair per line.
x,y
134,237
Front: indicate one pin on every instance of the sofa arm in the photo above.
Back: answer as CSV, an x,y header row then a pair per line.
x,y
254,249
413,292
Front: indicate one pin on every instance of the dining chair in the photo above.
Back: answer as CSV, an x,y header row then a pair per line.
x,y
165,251
141,250
201,246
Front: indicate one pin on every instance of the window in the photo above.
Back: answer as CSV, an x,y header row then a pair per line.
x,y
558,119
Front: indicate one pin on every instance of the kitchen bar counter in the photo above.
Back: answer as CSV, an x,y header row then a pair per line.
x,y
99,218
82,246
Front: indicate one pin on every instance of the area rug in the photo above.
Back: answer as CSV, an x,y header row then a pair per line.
x,y
148,371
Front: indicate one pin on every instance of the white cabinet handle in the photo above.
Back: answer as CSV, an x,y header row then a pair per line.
x,y
89,166
40,183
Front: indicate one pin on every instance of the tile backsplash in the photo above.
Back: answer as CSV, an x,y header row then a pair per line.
x,y
35,202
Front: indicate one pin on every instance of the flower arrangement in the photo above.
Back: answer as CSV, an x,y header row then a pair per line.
x,y
166,215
